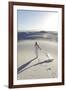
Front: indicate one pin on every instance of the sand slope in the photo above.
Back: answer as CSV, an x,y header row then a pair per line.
x,y
26,52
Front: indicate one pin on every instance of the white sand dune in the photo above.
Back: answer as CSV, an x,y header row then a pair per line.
x,y
26,52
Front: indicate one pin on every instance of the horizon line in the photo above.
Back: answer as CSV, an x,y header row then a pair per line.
x,y
36,31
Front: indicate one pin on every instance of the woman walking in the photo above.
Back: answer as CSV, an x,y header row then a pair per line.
x,y
36,49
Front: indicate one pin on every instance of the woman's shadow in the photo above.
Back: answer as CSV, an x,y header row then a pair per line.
x,y
24,65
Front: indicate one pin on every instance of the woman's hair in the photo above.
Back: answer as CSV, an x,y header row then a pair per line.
x,y
35,42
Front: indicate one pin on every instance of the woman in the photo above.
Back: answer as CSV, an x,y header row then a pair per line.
x,y
36,49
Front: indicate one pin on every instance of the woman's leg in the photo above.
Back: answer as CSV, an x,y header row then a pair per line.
x,y
36,52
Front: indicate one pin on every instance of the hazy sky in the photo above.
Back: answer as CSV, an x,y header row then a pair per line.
x,y
37,20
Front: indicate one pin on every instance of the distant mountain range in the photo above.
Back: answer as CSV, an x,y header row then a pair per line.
x,y
49,35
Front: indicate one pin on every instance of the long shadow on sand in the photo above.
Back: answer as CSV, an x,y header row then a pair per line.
x,y
21,69
24,65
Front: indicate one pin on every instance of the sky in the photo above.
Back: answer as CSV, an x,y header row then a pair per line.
x,y
34,20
